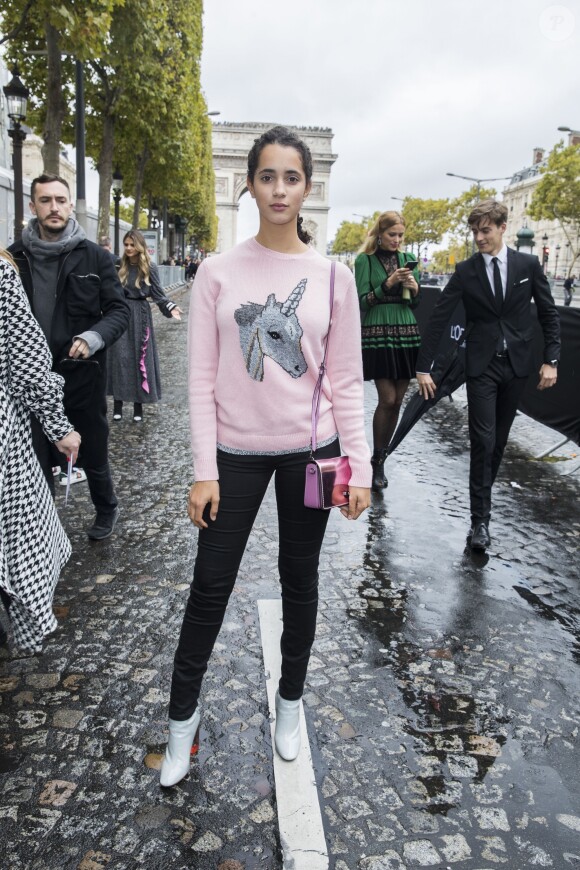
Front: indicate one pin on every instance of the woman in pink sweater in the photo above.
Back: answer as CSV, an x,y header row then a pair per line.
x,y
258,321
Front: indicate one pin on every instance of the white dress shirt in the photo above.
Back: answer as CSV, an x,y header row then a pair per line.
x,y
502,259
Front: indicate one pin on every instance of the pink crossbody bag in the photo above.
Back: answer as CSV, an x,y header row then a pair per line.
x,y
326,484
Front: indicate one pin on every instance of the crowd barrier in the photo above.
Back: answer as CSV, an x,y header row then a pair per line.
x,y
558,407
171,275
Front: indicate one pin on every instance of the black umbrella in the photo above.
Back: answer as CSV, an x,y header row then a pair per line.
x,y
448,373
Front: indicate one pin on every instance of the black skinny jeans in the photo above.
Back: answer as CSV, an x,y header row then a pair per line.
x,y
243,482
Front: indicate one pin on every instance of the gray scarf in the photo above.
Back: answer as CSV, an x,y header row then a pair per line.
x,y
44,258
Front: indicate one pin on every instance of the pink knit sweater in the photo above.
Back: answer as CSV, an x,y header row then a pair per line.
x,y
257,325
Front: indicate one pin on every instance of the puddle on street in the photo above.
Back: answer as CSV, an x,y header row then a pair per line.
x,y
478,651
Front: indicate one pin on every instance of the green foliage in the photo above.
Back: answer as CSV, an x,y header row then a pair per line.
x,y
145,111
349,238
461,207
126,214
82,30
446,260
557,194
426,220
351,235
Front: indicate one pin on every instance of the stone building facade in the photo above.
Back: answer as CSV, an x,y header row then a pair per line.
x,y
517,196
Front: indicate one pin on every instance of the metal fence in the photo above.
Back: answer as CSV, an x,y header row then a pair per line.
x,y
169,275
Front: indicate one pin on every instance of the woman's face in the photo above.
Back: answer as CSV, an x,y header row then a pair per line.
x,y
279,186
392,238
130,249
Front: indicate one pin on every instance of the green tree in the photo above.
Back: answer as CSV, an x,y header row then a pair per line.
x,y
44,37
446,259
426,220
557,195
144,106
461,207
349,237
127,213
151,118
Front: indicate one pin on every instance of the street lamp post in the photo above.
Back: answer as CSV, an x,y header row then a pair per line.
x,y
80,149
556,263
545,253
574,137
479,182
16,96
117,194
154,215
567,246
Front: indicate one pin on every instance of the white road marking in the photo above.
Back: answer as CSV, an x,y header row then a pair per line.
x,y
299,818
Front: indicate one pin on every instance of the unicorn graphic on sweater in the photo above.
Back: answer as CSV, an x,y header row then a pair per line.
x,y
272,330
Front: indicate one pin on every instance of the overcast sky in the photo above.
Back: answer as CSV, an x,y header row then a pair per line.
x,y
411,90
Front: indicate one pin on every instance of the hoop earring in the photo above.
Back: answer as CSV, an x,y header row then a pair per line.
x,y
379,243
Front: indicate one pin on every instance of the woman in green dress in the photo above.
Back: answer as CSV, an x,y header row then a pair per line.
x,y
388,290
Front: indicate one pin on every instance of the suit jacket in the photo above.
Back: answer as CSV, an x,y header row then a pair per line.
x,y
469,284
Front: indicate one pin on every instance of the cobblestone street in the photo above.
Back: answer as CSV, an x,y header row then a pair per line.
x,y
443,695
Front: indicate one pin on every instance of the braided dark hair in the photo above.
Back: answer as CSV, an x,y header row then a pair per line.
x,y
285,137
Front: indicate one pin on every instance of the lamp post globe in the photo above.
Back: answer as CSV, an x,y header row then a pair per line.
x,y
17,94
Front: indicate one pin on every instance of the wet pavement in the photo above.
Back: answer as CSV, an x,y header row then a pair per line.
x,y
443,694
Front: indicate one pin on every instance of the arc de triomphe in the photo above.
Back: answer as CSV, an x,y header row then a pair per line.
x,y
231,142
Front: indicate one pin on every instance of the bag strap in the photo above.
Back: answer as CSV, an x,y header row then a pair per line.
x,y
322,369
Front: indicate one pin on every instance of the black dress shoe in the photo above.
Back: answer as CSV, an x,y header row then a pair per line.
x,y
103,526
480,539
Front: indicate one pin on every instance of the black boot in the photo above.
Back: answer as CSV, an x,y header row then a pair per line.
x,y
117,409
138,412
378,464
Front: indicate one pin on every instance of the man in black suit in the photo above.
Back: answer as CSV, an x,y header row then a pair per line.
x,y
496,287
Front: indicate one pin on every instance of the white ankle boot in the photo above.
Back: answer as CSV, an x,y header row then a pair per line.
x,y
182,744
287,731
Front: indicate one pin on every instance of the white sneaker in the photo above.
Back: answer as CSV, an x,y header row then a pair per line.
x,y
77,476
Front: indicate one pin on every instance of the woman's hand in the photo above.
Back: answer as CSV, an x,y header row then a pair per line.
x,y
69,445
409,281
398,277
358,501
176,312
202,493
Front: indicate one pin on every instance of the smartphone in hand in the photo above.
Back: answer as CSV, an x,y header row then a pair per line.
x,y
411,264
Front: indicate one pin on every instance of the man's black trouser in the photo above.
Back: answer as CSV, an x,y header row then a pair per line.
x,y
91,424
492,401
243,481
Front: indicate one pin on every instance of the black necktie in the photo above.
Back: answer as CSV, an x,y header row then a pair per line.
x,y
497,288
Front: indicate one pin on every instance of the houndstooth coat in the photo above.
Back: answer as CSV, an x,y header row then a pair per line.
x,y
33,544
